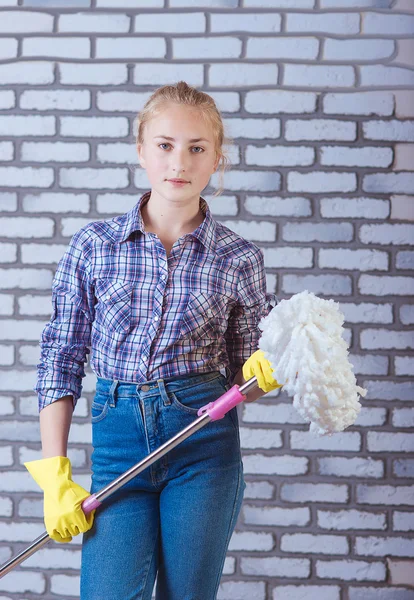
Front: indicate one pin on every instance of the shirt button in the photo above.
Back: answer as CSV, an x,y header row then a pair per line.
x,y
145,358
163,277
155,318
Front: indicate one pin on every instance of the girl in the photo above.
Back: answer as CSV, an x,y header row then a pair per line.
x,y
168,300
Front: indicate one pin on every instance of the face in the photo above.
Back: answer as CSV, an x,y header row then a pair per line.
x,y
178,144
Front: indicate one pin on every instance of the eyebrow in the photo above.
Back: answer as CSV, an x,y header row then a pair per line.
x,y
166,137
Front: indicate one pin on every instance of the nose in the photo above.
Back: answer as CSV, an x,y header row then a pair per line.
x,y
179,161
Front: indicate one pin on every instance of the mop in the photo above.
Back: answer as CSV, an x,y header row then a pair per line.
x,y
302,339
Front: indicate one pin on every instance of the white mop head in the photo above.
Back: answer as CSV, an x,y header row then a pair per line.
x,y
302,339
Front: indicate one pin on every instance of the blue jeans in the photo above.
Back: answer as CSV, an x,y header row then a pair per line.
x,y
172,522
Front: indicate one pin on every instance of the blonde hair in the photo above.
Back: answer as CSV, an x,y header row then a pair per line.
x,y
182,93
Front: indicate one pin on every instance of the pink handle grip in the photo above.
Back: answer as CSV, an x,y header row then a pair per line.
x,y
222,405
90,503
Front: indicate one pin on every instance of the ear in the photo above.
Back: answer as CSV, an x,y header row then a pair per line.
x,y
141,155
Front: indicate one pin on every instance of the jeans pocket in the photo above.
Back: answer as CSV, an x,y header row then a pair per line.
x,y
194,397
99,408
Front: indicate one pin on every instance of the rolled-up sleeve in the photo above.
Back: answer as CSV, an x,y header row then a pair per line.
x,y
243,333
65,339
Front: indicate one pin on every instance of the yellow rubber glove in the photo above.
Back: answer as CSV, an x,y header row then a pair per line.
x,y
63,514
258,366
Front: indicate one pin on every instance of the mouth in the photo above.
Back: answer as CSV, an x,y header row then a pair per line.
x,y
178,180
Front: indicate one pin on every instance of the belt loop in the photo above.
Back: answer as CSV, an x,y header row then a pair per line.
x,y
163,392
112,392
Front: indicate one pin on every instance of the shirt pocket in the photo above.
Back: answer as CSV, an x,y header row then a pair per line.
x,y
113,310
204,316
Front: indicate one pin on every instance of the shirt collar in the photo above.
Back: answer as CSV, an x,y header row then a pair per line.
x,y
132,221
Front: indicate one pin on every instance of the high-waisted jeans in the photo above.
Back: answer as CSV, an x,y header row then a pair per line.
x,y
173,522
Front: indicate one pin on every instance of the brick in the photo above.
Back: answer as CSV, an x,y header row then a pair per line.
x,y
8,48
351,467
87,23
121,101
387,24
319,129
283,156
162,74
380,546
279,4
400,131
345,441
300,258
129,4
271,413
314,492
321,181
369,156
385,339
130,47
275,465
276,567
27,72
404,260
385,494
226,101
320,232
385,285
369,417
358,50
97,179
206,47
364,593
404,157
339,23
223,205
253,128
306,592
407,314
403,521
25,279
54,152
260,438
351,570
35,305
6,151
27,125
31,582
255,23
355,3
280,101
6,304
241,589
367,312
8,253
94,126
7,99
282,517
249,540
117,153
389,390
56,3
356,208
359,103
401,572
253,230
390,442
379,75
67,47
318,544
325,285
55,100
29,355
278,207
93,74
171,22
318,76
15,21
404,365
26,227
404,104
258,490
403,5
229,74
71,225
402,208
6,355
404,52
346,259
290,48
42,253
26,177
404,417
348,519
255,181
115,203
369,364
386,233
56,202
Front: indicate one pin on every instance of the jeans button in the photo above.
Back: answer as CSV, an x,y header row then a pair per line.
x,y
145,388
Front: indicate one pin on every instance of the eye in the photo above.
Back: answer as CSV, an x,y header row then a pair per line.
x,y
200,148
163,144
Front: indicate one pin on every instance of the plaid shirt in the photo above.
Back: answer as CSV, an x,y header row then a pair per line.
x,y
143,315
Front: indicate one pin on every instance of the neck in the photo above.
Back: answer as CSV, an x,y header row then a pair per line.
x,y
171,220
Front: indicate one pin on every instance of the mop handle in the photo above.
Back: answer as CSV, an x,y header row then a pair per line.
x,y
211,412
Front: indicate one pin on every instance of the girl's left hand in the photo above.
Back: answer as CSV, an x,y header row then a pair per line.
x,y
258,366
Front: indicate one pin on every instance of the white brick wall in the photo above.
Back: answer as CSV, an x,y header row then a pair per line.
x,y
318,97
